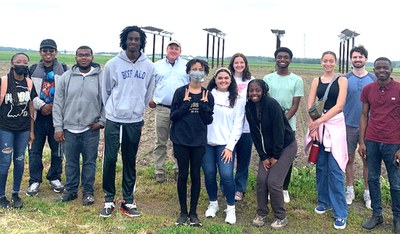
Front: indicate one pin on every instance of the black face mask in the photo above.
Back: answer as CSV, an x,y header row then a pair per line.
x,y
21,70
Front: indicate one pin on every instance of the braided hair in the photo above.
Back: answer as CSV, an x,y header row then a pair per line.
x,y
11,79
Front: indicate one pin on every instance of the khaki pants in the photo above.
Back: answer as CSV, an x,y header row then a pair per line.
x,y
163,124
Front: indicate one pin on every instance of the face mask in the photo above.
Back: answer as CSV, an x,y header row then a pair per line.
x,y
21,70
197,76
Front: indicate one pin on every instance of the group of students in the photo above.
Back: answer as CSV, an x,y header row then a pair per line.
x,y
209,127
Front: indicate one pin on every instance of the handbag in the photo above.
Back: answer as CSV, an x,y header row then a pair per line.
x,y
316,109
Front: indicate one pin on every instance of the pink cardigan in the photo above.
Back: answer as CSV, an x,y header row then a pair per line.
x,y
335,133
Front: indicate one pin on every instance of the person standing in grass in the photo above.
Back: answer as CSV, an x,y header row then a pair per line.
x,y
78,117
170,75
380,140
276,145
127,86
330,131
358,78
240,69
287,88
222,136
16,126
42,75
191,112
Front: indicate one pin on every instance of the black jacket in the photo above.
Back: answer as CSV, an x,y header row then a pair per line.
x,y
270,130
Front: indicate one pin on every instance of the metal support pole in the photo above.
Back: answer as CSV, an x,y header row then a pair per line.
x,y
212,54
223,49
347,55
340,57
218,51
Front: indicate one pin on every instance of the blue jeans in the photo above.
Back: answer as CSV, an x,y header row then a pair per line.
x,y
243,156
44,129
212,161
85,143
376,152
330,184
13,146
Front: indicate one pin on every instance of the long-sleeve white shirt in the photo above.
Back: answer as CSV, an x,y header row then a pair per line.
x,y
227,124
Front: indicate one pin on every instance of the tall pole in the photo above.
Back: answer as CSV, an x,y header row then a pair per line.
x,y
223,49
340,57
278,42
218,51
347,55
212,54
208,45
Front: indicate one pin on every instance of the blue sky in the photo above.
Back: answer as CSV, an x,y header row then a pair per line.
x,y
312,26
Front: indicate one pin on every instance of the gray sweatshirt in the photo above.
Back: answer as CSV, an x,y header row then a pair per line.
x,y
127,88
77,100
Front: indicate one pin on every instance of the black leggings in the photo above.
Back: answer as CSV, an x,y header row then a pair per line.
x,y
189,156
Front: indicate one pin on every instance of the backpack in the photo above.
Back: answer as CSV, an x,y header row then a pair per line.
x,y
4,85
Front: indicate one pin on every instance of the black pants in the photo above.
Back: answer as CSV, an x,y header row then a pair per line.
x,y
44,129
287,178
131,133
186,157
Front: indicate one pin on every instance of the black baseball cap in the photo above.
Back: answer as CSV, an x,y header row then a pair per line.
x,y
48,43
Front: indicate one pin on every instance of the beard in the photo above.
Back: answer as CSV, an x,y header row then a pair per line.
x,y
84,68
358,65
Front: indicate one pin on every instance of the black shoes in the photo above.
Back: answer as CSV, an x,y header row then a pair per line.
x,y
87,199
182,219
4,203
194,220
107,210
129,209
68,196
185,219
373,222
16,201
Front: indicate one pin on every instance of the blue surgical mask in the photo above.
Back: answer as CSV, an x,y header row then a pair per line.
x,y
197,76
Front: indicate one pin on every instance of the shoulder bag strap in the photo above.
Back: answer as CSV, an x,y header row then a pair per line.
x,y
329,86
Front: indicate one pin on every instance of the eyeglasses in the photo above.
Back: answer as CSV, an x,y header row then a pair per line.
x,y
48,50
83,55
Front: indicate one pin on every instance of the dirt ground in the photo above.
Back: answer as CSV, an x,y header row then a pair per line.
x,y
148,136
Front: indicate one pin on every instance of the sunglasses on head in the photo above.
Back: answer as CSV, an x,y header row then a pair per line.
x,y
48,50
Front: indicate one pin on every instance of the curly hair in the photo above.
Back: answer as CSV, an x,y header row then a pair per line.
x,y
202,62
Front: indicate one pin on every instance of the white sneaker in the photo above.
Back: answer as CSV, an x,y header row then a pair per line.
x,y
212,210
367,200
286,197
56,186
230,215
33,189
349,197
279,223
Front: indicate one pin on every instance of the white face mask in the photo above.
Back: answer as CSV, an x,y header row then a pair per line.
x,y
197,76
